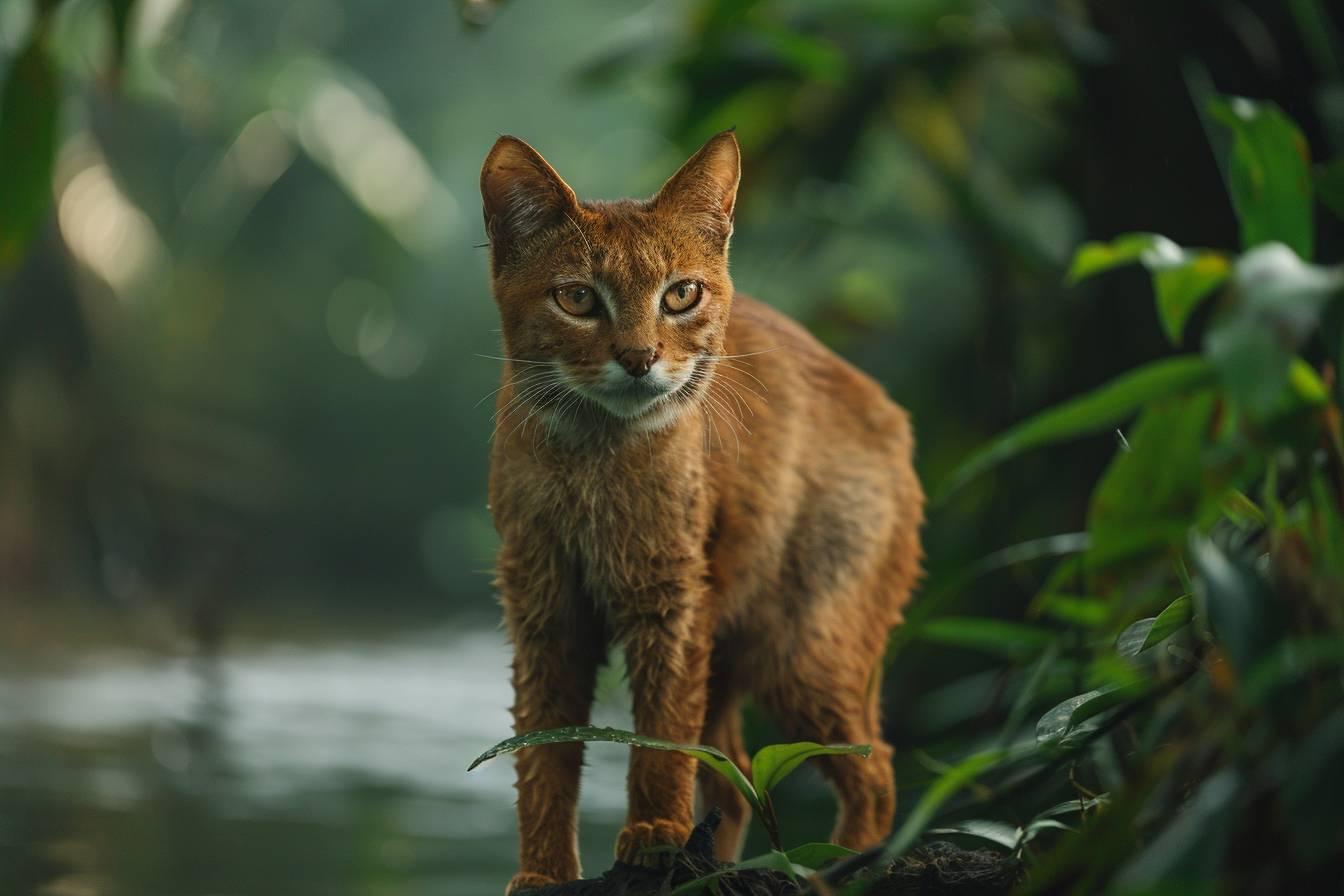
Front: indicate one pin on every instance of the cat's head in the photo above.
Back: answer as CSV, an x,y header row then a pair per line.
x,y
617,308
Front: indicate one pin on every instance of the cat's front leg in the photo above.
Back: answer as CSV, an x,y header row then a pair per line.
x,y
557,649
667,655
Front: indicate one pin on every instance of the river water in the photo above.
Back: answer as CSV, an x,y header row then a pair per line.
x,y
329,766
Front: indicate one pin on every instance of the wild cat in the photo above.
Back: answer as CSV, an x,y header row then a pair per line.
x,y
688,473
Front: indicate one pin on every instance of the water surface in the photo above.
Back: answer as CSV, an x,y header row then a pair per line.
x,y
329,766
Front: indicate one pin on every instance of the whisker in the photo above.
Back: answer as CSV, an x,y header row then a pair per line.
x,y
734,394
518,360
735,368
517,375
735,388
523,398
764,351
529,389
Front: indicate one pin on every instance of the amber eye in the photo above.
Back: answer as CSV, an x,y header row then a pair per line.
x,y
683,296
576,299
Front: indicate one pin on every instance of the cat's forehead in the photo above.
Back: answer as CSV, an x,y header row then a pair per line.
x,y
630,239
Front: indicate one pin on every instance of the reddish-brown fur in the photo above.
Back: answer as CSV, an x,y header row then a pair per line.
x,y
755,534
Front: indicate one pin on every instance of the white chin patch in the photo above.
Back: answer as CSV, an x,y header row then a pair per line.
x,y
645,402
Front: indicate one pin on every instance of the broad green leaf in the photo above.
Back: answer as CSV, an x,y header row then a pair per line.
x,y
776,762
1237,602
1131,640
1104,407
1252,363
28,110
583,733
1033,830
1281,302
1075,609
814,855
1182,282
1176,616
1079,805
1056,723
1014,640
1269,174
1152,493
1055,726
1006,835
1240,508
1149,632
1306,383
950,782
1181,277
1096,257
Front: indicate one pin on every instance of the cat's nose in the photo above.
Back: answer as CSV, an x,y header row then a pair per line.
x,y
639,361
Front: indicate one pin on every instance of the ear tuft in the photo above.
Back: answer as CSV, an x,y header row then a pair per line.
x,y
707,183
520,192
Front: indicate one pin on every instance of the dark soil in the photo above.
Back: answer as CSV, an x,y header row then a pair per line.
x,y
934,868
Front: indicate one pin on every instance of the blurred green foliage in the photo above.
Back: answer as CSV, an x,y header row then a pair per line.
x,y
240,310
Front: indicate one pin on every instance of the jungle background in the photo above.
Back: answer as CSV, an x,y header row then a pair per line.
x,y
248,641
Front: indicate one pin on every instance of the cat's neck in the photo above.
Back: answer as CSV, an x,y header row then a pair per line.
x,y
591,430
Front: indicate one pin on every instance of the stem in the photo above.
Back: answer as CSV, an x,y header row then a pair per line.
x,y
770,821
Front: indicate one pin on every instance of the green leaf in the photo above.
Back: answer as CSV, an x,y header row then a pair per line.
x,y
1081,610
1181,277
1013,640
1151,494
1269,174
28,109
1252,364
814,855
1079,805
948,783
1006,835
1307,384
584,733
1096,257
1055,726
1147,633
1033,830
1104,407
776,762
1182,283
1239,508
1237,602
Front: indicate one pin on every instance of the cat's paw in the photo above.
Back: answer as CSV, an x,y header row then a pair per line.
x,y
528,880
638,840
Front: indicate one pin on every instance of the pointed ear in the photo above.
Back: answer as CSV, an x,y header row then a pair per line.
x,y
521,194
707,183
